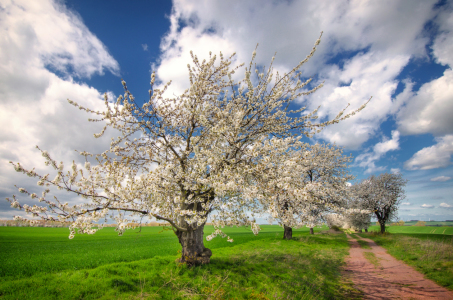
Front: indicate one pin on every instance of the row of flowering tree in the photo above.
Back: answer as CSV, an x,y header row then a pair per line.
x,y
381,195
377,196
219,149
322,176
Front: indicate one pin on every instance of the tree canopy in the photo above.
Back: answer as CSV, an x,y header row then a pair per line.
x,y
381,194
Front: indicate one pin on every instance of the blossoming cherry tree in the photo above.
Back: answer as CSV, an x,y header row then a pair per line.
x,y
180,159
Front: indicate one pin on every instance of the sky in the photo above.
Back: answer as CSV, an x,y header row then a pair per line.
x,y
400,53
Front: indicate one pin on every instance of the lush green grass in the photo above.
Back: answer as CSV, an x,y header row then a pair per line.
x,y
26,251
431,254
41,263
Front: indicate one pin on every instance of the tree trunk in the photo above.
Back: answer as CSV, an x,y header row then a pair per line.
x,y
366,229
359,231
382,227
193,250
312,231
288,233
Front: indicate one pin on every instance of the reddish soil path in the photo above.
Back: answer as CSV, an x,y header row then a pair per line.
x,y
390,278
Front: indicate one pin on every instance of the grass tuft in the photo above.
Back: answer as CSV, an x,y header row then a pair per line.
x,y
371,257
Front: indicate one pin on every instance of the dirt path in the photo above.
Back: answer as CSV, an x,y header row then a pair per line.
x,y
386,277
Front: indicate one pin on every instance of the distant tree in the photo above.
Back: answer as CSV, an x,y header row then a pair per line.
x,y
351,218
320,174
399,223
180,159
335,220
328,167
358,216
382,194
357,220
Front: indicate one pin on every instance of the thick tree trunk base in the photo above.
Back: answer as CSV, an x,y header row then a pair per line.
x,y
288,233
312,231
382,228
196,259
193,252
366,229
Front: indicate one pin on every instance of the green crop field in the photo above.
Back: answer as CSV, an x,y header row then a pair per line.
x,y
42,263
26,251
443,230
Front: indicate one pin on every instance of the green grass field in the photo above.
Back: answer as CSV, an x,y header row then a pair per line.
x,y
443,230
42,263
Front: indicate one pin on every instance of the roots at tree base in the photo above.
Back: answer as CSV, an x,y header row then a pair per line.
x,y
193,250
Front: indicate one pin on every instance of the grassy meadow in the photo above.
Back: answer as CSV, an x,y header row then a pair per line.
x,y
42,263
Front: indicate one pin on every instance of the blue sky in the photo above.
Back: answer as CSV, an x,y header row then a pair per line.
x,y
399,52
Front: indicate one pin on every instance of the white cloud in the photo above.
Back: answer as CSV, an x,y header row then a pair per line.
x,y
33,100
441,178
47,34
437,156
367,160
370,74
443,43
390,32
429,110
445,205
145,47
406,203
427,206
395,170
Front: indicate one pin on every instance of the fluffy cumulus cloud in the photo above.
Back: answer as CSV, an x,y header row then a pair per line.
x,y
441,178
37,40
443,43
368,159
382,36
427,206
45,33
429,110
446,205
436,156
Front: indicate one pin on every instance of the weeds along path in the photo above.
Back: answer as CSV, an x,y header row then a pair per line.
x,y
380,276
